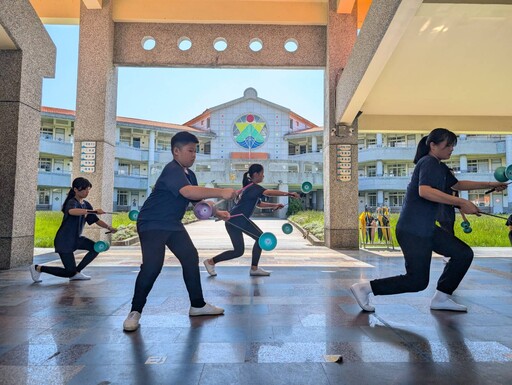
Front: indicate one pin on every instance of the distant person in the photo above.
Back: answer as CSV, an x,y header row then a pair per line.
x,y
77,211
509,224
240,222
159,226
418,234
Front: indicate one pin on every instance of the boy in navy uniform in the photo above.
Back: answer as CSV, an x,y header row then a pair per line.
x,y
159,225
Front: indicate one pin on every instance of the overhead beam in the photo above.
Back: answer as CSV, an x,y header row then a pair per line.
x,y
93,4
345,6
196,11
425,123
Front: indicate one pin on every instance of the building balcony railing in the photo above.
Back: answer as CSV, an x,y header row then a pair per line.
x,y
55,147
386,153
54,179
130,182
131,153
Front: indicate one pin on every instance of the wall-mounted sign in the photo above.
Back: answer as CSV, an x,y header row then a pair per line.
x,y
88,157
343,162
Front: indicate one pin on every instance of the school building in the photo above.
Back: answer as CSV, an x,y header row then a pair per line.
x,y
249,130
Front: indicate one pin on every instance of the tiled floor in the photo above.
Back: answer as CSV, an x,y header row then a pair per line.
x,y
284,329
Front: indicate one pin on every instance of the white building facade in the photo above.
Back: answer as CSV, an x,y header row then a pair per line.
x,y
250,130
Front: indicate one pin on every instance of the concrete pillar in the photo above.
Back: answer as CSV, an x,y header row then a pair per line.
x,y
379,169
96,107
463,163
27,54
379,140
380,198
341,197
314,144
284,200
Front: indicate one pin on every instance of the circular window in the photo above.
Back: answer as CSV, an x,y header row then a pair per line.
x,y
256,45
148,43
184,43
250,131
220,44
291,45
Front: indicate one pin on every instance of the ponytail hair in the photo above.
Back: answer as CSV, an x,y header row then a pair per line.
x,y
79,184
253,169
436,136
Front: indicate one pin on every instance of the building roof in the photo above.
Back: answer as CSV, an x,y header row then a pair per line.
x,y
249,93
64,113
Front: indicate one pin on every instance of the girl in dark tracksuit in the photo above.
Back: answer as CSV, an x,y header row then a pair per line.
x,y
239,223
77,211
418,234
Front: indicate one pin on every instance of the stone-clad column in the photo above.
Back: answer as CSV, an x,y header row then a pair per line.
x,y
26,57
341,197
96,108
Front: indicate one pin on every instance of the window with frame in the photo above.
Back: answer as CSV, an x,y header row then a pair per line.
x,y
123,169
43,196
45,164
163,144
372,199
371,142
411,140
478,165
454,165
122,198
371,171
472,165
208,148
397,169
495,163
46,133
396,199
479,198
397,141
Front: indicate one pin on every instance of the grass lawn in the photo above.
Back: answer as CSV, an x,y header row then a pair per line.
x,y
48,222
487,231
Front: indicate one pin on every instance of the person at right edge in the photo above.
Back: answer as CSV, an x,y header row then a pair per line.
x,y
418,234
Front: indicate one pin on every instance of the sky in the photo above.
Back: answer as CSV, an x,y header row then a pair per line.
x,y
176,95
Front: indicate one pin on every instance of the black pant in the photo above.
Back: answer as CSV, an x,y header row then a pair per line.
x,y
418,254
447,226
237,239
68,260
153,253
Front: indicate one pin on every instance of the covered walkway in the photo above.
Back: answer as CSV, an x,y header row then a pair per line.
x,y
282,329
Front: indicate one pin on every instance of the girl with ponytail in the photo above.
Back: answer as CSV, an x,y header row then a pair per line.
x,y
418,234
77,211
239,223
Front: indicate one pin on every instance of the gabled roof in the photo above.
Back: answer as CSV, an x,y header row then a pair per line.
x,y
249,94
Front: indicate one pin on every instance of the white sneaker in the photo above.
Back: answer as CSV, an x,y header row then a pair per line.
x,y
80,277
35,274
259,272
362,295
209,268
442,301
131,323
205,310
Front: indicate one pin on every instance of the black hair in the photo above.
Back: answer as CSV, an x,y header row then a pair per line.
x,y
436,136
183,138
79,184
253,169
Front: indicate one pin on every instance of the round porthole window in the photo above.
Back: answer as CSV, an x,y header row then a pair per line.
x,y
256,45
148,43
291,45
220,44
184,43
